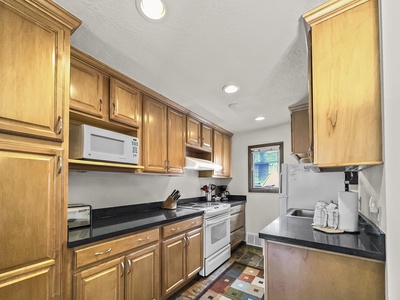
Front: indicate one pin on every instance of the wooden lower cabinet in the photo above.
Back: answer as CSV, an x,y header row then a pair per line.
x,y
104,281
126,268
143,274
294,272
182,259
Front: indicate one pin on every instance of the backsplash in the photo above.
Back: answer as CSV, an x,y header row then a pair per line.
x,y
101,189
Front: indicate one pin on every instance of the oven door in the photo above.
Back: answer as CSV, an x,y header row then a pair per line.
x,y
216,233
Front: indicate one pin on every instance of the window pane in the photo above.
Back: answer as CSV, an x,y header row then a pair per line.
x,y
264,167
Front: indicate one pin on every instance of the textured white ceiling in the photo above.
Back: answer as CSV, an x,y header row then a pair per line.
x,y
202,45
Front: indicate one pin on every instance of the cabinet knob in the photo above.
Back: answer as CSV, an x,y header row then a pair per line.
x,y
60,164
145,239
175,229
101,105
122,268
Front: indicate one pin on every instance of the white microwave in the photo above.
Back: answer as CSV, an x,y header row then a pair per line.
x,y
92,143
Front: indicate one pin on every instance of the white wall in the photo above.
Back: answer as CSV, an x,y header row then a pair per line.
x,y
261,208
116,189
391,96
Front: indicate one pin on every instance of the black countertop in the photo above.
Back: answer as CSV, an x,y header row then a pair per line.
x,y
116,221
368,243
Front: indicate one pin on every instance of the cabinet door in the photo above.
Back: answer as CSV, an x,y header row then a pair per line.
x,y
193,132
194,252
300,132
125,103
346,86
176,141
86,89
105,281
174,262
226,161
33,60
154,136
31,199
206,137
143,274
218,150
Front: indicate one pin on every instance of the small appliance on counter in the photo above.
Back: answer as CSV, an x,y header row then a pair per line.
x,y
222,192
79,215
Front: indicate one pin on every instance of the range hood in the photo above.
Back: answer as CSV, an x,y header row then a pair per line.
x,y
201,164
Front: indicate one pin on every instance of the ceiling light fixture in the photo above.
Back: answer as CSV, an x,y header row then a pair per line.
x,y
153,10
259,118
230,88
234,105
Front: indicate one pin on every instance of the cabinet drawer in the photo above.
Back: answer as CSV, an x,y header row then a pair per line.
x,y
101,251
237,208
170,230
237,221
238,236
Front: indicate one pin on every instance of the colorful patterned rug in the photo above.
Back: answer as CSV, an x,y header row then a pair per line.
x,y
238,282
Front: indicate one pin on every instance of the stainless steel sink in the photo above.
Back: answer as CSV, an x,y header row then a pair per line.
x,y
300,213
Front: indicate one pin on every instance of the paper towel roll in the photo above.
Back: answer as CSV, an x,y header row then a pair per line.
x,y
348,211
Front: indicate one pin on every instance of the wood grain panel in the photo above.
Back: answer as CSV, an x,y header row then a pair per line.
x,y
226,161
218,150
302,273
32,73
113,247
125,103
346,88
193,132
154,148
143,276
194,252
105,281
86,89
206,137
182,226
176,141
173,264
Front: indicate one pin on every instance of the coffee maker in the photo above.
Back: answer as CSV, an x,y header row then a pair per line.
x,y
222,192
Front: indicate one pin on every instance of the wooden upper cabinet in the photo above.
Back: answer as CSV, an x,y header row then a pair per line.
x,y
163,137
199,134
154,140
222,153
206,137
193,132
34,56
346,90
30,223
125,103
300,137
176,141
86,90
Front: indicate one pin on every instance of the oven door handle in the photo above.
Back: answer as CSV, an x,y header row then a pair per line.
x,y
219,220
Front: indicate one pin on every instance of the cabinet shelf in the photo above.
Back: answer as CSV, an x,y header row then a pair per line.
x,y
88,165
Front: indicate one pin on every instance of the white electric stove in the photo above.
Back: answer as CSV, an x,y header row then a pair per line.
x,y
216,230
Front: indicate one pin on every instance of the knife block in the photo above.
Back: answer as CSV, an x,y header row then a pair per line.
x,y
169,203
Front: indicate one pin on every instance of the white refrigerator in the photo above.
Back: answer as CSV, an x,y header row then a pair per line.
x,y
303,188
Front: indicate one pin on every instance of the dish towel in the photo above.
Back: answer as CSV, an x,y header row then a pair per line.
x,y
320,214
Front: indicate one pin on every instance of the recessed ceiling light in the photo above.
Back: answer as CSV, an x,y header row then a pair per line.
x,y
234,105
259,118
230,88
153,10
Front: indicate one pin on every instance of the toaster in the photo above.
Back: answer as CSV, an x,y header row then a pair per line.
x,y
79,215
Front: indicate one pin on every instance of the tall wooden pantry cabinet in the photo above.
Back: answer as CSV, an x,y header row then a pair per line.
x,y
34,98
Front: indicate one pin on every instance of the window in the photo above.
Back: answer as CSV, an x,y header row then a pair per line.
x,y
264,167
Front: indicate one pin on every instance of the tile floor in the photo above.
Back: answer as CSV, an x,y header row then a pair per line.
x,y
245,254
